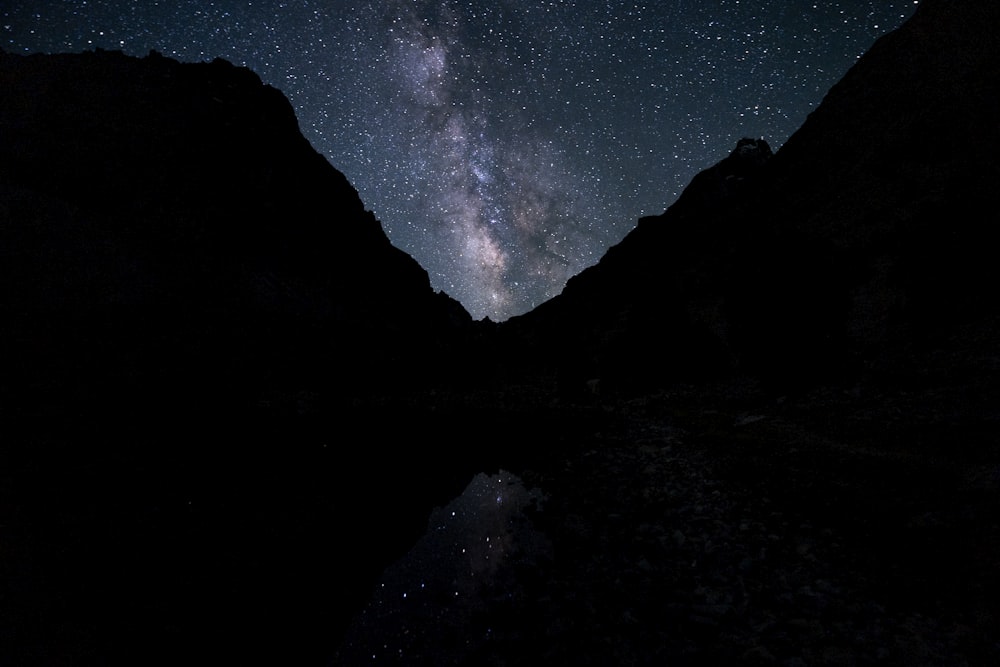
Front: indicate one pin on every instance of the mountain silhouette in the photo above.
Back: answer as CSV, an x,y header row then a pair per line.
x,y
183,278
761,430
149,199
859,246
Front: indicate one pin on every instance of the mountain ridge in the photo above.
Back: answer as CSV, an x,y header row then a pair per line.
x,y
184,280
764,423
847,206
189,189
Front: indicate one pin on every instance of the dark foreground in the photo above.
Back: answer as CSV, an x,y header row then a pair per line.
x,y
837,526
708,525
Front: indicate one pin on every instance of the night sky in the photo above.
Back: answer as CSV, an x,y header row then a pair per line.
x,y
505,145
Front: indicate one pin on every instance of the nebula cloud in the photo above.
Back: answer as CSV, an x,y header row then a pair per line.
x,y
503,218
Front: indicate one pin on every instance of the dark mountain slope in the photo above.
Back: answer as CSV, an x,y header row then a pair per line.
x,y
804,470
906,139
863,238
214,437
201,334
148,199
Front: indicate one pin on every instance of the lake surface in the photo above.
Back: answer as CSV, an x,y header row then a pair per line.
x,y
438,602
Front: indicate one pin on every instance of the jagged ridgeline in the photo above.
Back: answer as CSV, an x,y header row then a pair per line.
x,y
201,330
227,402
861,246
163,222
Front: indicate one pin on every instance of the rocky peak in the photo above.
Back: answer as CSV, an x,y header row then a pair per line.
x,y
756,151
720,182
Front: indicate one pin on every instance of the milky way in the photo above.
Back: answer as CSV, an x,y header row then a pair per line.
x,y
504,145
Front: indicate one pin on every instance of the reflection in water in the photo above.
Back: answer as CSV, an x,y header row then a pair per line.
x,y
438,602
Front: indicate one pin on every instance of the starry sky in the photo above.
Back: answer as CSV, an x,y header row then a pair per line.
x,y
505,145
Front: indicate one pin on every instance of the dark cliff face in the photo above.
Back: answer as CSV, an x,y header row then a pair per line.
x,y
163,220
183,281
858,245
895,169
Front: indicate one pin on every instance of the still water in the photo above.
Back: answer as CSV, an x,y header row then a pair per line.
x,y
438,604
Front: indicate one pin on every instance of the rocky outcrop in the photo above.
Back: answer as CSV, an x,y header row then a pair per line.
x,y
717,184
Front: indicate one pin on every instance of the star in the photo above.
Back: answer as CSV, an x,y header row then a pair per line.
x,y
505,146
